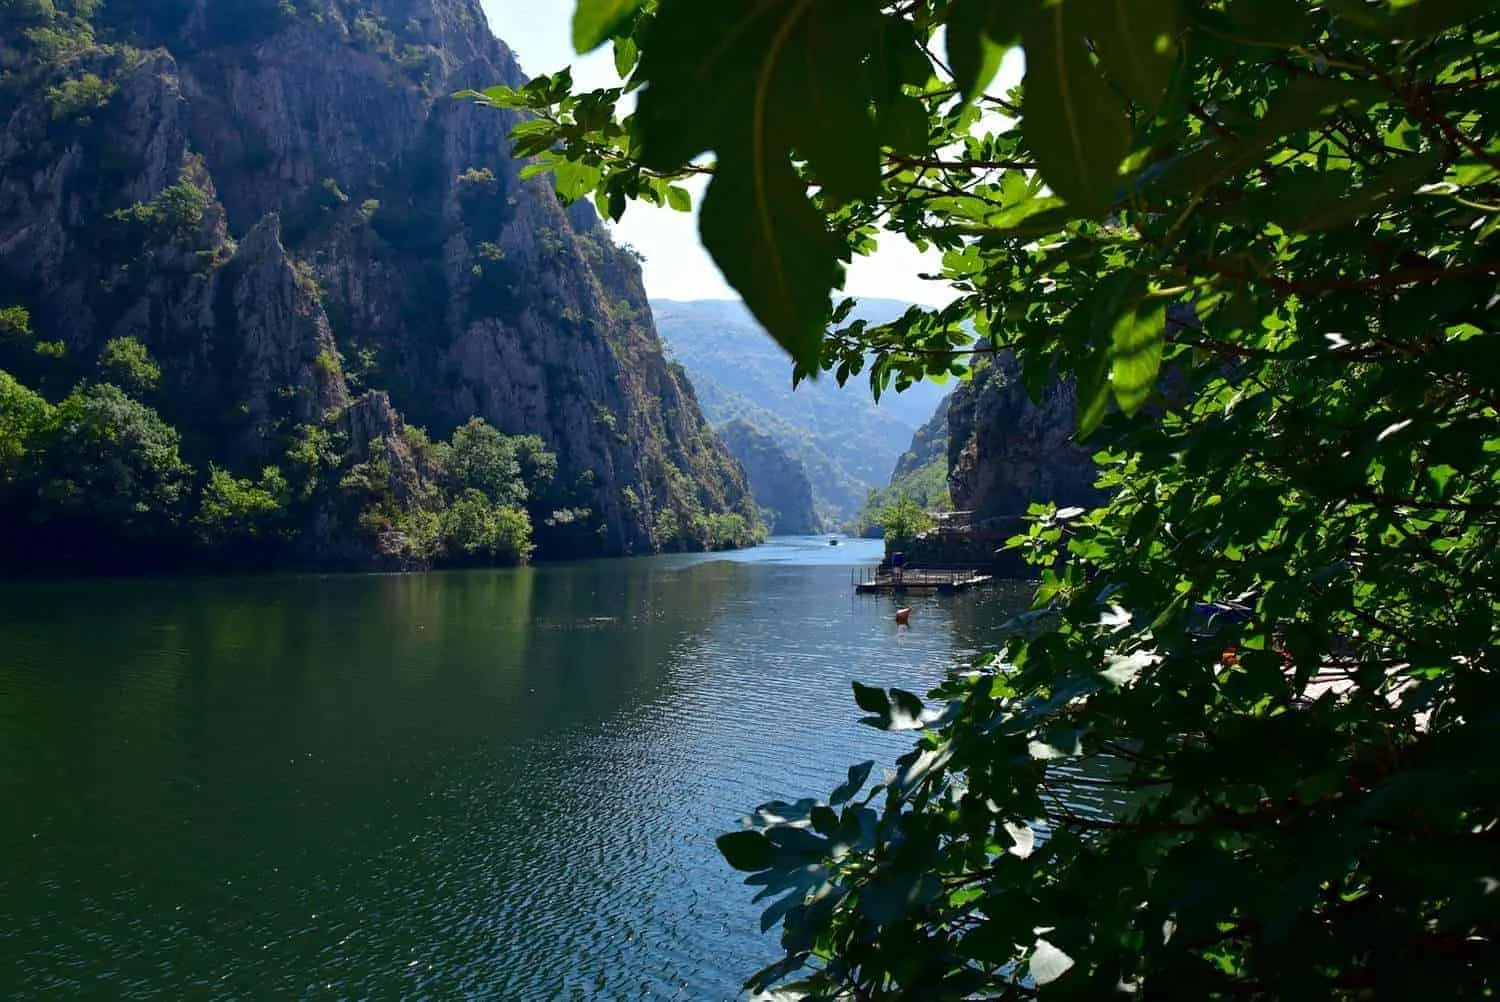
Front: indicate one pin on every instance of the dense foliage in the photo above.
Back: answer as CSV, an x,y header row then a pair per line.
x,y
1240,748
98,481
924,487
901,519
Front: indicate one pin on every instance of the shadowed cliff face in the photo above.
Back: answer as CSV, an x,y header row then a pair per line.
x,y
778,481
1006,451
238,335
358,227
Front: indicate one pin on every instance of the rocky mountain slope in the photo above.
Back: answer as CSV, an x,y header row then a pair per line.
x,y
921,473
1006,451
846,440
281,201
778,481
929,444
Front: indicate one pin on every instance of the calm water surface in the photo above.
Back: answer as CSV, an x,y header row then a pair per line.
x,y
469,785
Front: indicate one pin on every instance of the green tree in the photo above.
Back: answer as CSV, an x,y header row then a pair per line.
x,y
129,363
15,324
234,510
538,466
1258,241
24,414
18,339
176,211
476,529
481,458
903,519
110,460
79,98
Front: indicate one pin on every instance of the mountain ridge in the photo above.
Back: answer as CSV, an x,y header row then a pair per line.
x,y
281,203
847,441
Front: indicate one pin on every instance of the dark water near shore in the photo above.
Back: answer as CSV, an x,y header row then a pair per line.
x,y
488,784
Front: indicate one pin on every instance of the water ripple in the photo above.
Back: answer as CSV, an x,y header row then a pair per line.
x,y
469,785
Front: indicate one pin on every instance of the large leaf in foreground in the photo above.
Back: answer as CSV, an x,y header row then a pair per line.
x,y
1073,122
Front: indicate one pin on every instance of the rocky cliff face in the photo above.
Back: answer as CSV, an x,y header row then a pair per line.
x,y
928,445
1006,451
778,481
281,201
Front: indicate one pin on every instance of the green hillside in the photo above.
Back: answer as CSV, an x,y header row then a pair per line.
x,y
921,474
847,441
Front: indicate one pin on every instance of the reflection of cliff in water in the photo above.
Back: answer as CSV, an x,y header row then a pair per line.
x,y
513,778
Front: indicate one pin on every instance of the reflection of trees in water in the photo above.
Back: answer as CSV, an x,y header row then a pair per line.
x,y
382,735
354,652
620,622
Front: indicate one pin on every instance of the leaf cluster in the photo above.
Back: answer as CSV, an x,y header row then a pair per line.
x,y
1239,748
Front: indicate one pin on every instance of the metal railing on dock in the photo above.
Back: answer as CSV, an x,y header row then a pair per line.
x,y
867,580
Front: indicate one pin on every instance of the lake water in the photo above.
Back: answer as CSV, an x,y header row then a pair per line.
x,y
469,785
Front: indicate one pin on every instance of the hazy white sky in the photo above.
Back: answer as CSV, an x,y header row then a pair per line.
x,y
677,266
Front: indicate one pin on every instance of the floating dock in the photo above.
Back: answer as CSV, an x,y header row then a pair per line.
x,y
917,581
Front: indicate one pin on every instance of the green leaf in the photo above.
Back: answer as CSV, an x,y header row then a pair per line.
x,y
1093,393
858,774
979,32
818,97
1372,196
784,78
573,179
1411,20
871,699
1300,106
1135,353
1136,44
746,850
898,61
1073,122
594,21
773,247
783,75
680,198
1314,201
626,54
903,125
1088,333
1271,23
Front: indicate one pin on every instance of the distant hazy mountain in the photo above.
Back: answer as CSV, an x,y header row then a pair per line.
x,y
847,442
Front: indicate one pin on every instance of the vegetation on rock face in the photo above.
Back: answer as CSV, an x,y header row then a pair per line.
x,y
926,488
1273,646
928,444
778,481
1011,445
125,361
901,519
305,274
920,476
98,481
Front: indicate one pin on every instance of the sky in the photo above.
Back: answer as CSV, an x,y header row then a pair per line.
x,y
676,265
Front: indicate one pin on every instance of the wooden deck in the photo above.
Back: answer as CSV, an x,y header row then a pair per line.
x,y
918,581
